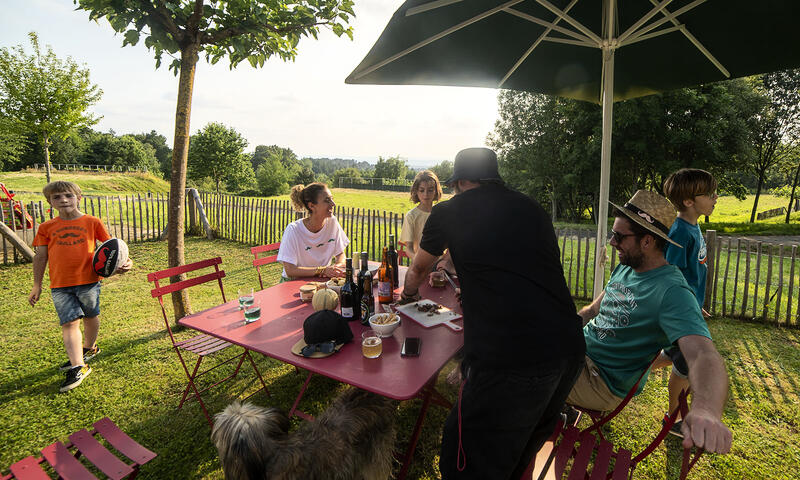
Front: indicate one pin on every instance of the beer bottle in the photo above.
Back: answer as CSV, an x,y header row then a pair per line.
x,y
365,288
393,261
348,296
385,280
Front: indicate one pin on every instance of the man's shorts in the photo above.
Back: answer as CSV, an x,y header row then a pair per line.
x,y
76,302
590,390
679,365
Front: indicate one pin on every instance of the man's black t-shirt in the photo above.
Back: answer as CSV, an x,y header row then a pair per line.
x,y
518,311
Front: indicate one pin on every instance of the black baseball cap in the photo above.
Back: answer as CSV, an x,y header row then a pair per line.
x,y
475,164
321,328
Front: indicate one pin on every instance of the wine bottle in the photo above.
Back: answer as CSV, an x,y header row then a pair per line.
x,y
393,262
348,295
365,288
385,280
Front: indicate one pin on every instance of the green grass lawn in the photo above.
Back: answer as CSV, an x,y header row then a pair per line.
x,y
137,381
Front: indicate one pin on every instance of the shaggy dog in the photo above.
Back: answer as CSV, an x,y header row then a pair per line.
x,y
352,439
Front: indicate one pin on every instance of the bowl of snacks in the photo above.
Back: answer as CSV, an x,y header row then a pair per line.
x,y
384,323
335,284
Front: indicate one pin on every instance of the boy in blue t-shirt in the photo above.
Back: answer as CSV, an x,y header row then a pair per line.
x,y
693,193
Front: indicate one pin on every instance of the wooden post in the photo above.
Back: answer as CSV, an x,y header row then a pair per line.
x,y
746,276
711,244
791,288
17,242
718,256
780,283
586,265
725,279
736,275
192,212
769,282
571,262
201,212
758,277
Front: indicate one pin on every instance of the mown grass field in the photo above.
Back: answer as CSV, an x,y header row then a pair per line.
x,y
137,381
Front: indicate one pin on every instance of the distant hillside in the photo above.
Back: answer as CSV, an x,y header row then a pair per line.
x,y
91,183
330,165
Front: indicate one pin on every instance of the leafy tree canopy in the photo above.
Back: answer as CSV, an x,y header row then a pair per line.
x,y
443,170
272,178
217,152
44,94
12,143
392,167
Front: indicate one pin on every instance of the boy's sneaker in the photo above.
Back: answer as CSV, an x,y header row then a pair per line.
x,y
74,378
88,354
676,428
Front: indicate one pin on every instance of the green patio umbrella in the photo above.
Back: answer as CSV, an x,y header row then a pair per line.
x,y
595,50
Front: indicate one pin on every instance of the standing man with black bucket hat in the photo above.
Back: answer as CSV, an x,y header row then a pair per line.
x,y
647,306
523,346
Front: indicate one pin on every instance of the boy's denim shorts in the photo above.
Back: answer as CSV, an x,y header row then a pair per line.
x,y
76,302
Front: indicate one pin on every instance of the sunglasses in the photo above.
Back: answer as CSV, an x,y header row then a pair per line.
x,y
619,237
324,347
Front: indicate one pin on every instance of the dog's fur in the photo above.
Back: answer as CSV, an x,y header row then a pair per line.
x,y
352,440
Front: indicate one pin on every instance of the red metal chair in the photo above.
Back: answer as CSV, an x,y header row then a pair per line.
x,y
67,465
201,345
259,262
582,446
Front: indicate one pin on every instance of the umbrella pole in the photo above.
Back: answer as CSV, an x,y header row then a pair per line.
x,y
605,170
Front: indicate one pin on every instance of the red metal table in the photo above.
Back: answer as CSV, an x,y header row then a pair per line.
x,y
390,375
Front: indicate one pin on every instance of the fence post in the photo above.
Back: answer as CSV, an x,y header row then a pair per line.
x,y
711,250
192,212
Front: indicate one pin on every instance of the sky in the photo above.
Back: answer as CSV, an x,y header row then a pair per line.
x,y
303,105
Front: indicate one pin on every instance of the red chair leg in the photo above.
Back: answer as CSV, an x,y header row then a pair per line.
x,y
258,374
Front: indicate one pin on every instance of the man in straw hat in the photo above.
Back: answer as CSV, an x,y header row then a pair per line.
x,y
647,306
523,346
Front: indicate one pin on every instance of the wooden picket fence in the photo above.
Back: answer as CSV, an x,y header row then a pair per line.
x,y
747,279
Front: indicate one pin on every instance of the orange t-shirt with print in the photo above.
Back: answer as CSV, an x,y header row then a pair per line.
x,y
70,246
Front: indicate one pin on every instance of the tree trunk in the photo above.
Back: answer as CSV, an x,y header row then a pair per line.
x,y
177,187
791,196
46,142
758,194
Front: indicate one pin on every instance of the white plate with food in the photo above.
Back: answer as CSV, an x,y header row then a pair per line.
x,y
429,313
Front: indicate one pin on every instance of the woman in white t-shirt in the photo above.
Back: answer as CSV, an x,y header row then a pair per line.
x,y
425,190
309,244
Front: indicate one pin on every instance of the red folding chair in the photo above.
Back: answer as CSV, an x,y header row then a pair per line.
x,y
201,345
609,464
67,465
259,262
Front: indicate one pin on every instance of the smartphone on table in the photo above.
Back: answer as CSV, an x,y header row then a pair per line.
x,y
411,347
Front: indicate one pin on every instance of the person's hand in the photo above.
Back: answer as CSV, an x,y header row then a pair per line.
x,y
405,298
125,267
705,313
703,429
332,271
36,291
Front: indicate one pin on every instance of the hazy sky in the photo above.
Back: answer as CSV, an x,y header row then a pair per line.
x,y
304,105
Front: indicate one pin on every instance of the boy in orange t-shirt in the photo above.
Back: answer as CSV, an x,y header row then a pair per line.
x,y
68,242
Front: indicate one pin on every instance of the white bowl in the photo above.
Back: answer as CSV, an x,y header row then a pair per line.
x,y
384,329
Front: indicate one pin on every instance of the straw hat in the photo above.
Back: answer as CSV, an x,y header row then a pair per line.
x,y
651,211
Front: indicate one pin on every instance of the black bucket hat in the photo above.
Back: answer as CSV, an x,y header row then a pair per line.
x,y
324,333
474,164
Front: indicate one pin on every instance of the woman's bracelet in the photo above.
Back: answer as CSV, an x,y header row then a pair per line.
x,y
319,272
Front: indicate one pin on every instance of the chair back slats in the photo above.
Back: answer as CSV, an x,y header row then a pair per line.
x,y
265,260
581,462
96,453
265,248
122,442
171,272
28,469
602,460
564,450
62,461
622,465
189,282
259,262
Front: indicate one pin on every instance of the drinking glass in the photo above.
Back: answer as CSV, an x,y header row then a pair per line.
x,y
371,344
252,311
245,297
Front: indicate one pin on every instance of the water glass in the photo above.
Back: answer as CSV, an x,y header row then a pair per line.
x,y
252,311
245,297
371,344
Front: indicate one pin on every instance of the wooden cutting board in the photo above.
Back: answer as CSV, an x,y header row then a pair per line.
x,y
444,316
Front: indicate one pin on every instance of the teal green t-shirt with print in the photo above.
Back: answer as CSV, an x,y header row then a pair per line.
x,y
640,314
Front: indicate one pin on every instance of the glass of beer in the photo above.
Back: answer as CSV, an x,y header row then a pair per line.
x,y
371,345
